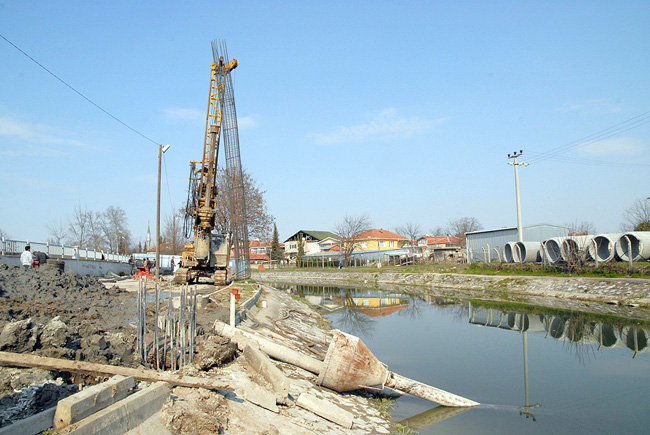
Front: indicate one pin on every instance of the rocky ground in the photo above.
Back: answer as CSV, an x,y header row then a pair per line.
x,y
63,315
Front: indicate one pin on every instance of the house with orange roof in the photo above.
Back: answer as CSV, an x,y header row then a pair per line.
x,y
378,239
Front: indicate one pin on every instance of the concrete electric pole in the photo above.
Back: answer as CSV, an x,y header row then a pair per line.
x,y
161,151
515,163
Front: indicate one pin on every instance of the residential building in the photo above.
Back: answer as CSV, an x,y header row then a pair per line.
x,y
375,240
311,242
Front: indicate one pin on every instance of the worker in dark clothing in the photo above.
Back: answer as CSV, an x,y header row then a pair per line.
x,y
40,258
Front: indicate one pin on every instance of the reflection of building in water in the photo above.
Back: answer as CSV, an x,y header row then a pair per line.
x,y
379,306
369,302
574,329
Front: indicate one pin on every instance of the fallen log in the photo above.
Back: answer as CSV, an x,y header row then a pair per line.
x,y
24,360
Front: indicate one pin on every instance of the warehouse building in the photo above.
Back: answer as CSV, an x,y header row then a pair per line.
x,y
487,245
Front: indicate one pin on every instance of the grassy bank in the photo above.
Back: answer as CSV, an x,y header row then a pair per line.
x,y
604,270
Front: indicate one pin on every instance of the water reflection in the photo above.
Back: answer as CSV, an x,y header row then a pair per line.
x,y
358,307
474,349
575,328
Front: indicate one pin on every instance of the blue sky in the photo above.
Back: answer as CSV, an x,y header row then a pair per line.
x,y
402,110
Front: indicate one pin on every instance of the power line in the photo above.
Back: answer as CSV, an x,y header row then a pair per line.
x,y
608,132
79,93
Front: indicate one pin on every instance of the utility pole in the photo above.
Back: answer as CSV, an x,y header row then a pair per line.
x,y
515,163
161,151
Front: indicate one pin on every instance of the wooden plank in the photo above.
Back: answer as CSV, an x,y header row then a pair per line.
x,y
25,360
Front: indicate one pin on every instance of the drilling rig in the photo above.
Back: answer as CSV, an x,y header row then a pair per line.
x,y
209,254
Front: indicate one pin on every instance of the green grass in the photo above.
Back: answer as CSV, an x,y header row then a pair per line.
x,y
604,270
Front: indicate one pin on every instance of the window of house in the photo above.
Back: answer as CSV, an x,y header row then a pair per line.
x,y
382,243
364,245
392,244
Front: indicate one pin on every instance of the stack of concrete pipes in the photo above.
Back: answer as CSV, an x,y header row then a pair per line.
x,y
603,248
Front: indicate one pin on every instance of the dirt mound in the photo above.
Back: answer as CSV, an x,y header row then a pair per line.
x,y
64,315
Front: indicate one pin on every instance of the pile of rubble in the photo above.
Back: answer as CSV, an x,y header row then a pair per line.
x,y
61,314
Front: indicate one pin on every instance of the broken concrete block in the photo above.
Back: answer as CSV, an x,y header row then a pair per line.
x,y
261,397
259,362
124,415
84,403
325,409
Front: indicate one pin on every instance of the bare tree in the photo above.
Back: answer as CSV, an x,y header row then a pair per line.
x,y
96,239
259,219
78,227
114,226
437,231
3,234
173,234
458,227
581,228
410,230
348,229
637,217
58,232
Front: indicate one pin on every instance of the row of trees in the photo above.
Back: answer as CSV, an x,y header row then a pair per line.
x,y
107,230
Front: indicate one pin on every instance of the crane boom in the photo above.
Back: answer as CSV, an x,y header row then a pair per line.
x,y
210,252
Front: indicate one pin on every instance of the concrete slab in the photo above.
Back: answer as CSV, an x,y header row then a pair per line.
x,y
325,409
262,364
124,415
84,403
35,424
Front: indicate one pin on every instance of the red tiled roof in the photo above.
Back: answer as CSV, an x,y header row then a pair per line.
x,y
379,234
442,240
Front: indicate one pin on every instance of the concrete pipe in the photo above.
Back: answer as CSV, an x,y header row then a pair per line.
x,y
572,246
640,249
635,338
604,248
508,252
554,249
606,335
527,252
555,326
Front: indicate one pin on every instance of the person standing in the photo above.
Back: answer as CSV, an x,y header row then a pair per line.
x,y
41,257
26,258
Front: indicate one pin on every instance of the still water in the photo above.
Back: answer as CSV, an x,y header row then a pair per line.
x,y
533,372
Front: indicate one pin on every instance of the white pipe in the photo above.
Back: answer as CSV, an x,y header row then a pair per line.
x,y
508,252
640,249
554,249
605,249
573,245
527,252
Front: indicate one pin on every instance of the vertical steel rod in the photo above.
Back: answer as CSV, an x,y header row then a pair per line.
x,y
155,331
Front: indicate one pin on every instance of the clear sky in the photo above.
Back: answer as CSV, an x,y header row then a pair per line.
x,y
402,110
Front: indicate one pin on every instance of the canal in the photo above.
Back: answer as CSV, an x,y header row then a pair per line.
x,y
532,369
